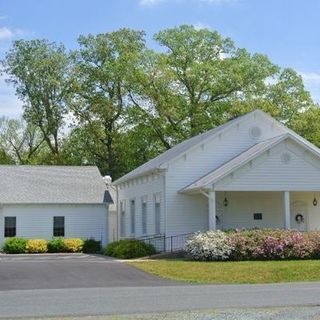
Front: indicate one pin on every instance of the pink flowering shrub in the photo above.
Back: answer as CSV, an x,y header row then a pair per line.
x,y
285,245
254,245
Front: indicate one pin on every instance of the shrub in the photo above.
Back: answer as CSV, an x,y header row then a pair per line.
x,y
285,245
91,246
245,242
109,250
209,246
36,246
254,245
15,245
73,244
56,245
129,248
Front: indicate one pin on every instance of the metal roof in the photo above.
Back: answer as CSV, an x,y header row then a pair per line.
x,y
52,185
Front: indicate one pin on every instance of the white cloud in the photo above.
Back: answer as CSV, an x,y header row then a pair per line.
x,y
312,83
150,2
8,33
200,25
5,33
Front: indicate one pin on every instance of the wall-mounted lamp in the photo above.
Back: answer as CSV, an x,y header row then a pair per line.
x,y
225,201
314,202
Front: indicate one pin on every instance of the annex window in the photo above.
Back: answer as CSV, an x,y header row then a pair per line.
x,y
157,212
257,216
10,226
58,226
122,219
133,216
144,214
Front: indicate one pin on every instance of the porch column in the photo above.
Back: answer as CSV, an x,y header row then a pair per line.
x,y
286,209
212,210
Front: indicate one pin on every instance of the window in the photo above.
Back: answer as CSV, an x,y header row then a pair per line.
x,y
10,226
122,219
157,212
58,226
257,216
144,214
133,216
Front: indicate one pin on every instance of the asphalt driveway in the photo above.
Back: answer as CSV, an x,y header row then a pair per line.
x,y
70,271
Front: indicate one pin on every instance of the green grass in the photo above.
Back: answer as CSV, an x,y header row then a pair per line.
x,y
233,272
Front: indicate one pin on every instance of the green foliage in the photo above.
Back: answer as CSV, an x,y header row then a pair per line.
x,y
91,246
102,77
38,69
130,103
109,250
15,245
129,248
56,245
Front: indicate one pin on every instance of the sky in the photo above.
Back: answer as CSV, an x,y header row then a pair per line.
x,y
285,30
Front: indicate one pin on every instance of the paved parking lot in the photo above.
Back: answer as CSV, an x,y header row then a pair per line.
x,y
70,271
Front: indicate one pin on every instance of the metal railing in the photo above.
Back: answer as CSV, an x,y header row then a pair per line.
x,y
157,240
177,242
163,243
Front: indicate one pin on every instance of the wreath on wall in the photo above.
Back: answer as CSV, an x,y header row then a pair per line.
x,y
299,218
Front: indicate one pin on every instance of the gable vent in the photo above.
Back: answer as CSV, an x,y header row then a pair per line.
x,y
255,132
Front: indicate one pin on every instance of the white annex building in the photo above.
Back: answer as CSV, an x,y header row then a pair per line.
x,y
53,201
251,172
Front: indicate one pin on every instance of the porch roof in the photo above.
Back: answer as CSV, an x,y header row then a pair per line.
x,y
206,181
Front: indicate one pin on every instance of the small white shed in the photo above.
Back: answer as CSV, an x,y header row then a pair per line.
x,y
52,201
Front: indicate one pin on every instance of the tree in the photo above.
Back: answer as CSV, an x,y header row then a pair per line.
x,y
39,71
194,84
20,142
103,72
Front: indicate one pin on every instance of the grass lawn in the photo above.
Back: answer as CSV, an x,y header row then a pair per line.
x,y
233,272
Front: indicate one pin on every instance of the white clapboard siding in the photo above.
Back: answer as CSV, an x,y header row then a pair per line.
x,y
36,221
186,213
271,171
242,206
147,187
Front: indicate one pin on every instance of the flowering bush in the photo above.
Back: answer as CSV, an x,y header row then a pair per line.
x,y
254,245
36,246
209,246
73,244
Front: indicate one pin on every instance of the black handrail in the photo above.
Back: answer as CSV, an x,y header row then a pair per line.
x,y
163,243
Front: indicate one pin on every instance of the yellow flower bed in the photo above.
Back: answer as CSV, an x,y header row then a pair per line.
x,y
36,246
73,244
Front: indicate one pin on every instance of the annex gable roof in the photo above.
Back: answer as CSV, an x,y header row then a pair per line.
x,y
212,177
52,185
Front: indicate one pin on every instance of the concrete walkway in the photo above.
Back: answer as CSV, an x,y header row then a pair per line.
x,y
129,300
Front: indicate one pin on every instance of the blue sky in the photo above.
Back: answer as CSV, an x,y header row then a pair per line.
x,y
286,30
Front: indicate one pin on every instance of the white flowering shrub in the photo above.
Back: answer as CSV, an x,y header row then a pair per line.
x,y
209,246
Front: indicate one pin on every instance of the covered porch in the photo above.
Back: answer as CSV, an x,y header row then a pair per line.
x,y
273,184
263,209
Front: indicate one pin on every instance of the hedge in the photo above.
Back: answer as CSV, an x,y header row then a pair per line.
x,y
21,245
254,245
